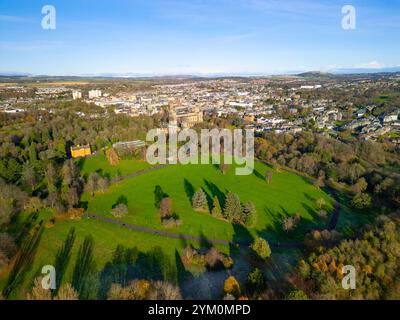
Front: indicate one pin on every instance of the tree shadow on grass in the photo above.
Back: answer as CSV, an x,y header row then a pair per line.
x,y
308,197
182,274
85,275
159,194
63,257
129,264
80,162
241,236
274,232
24,259
215,192
315,220
258,174
20,229
209,200
189,189
204,242
103,174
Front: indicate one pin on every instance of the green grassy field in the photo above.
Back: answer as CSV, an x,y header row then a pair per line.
x,y
286,195
98,163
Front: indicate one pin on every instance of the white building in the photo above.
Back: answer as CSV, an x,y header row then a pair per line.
x,y
94,94
317,86
76,94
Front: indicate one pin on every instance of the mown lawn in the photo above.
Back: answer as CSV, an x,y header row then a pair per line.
x,y
98,163
286,195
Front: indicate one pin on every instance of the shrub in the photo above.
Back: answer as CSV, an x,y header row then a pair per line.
x,y
224,168
34,204
318,238
321,203
297,295
141,289
119,210
66,292
75,213
162,290
38,292
171,222
323,214
217,260
256,281
212,259
261,247
361,201
51,223
288,224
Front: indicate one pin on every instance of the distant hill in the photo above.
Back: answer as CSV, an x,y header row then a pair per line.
x,y
366,70
315,74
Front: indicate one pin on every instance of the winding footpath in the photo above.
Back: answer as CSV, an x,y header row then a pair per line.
x,y
168,234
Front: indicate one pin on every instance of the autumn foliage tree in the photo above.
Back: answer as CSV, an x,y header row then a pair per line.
x,y
248,214
268,176
112,157
120,210
375,254
232,287
224,168
166,208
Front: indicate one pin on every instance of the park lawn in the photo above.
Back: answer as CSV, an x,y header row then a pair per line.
x,y
286,195
99,163
106,238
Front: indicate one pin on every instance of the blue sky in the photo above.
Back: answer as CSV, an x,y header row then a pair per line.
x,y
196,36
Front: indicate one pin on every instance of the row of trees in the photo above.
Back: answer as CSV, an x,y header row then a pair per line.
x,y
233,210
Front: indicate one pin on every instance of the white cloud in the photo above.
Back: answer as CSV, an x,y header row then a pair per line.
x,y
5,18
370,65
30,45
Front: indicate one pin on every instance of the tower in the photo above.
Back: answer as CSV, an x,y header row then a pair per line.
x,y
173,123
